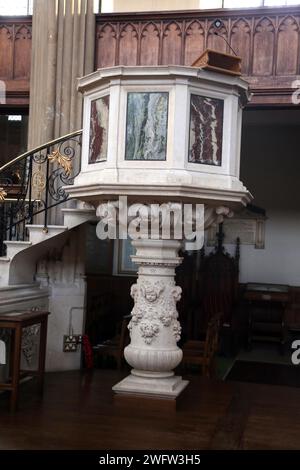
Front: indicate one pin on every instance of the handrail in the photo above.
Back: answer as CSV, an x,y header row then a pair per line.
x,y
34,183
40,147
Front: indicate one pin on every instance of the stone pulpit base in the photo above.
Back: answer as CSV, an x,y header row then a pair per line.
x,y
154,328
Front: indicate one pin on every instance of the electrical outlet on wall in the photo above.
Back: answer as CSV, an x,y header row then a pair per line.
x,y
72,342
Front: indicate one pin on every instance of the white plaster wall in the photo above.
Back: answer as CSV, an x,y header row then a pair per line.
x,y
61,275
64,273
279,262
270,168
117,6
63,298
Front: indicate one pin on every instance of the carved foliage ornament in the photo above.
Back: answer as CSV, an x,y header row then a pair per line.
x,y
155,305
62,160
177,330
149,331
30,337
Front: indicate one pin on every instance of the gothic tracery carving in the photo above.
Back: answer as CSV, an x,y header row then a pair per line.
x,y
255,37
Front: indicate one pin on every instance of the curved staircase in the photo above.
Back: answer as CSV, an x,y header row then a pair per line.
x,y
32,193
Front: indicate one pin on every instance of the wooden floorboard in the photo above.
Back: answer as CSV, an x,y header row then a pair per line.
x,y
78,412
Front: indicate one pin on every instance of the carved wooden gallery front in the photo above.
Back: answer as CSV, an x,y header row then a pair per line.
x,y
266,39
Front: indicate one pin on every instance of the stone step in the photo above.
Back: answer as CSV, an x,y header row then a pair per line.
x,y
14,247
38,234
75,217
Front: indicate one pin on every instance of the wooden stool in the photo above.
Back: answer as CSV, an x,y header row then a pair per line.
x,y
16,322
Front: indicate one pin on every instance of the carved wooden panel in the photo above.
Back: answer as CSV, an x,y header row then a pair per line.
x,y
106,45
267,39
128,45
240,40
215,41
194,42
287,55
22,55
150,44
6,47
171,50
15,47
15,59
264,43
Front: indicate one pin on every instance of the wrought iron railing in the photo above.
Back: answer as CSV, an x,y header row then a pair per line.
x,y
33,183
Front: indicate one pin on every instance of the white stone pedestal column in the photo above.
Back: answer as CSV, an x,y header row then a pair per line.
x,y
154,328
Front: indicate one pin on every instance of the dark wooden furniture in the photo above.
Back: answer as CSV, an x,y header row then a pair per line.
x,y
177,38
203,353
165,38
16,322
108,301
218,282
115,347
186,278
219,62
267,305
217,293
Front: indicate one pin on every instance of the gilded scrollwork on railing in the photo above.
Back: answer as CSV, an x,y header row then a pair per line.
x,y
67,167
62,160
38,182
3,194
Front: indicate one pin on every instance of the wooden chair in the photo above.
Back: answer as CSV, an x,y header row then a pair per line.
x,y
219,282
114,347
202,353
216,291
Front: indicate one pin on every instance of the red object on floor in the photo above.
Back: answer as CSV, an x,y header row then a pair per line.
x,y
88,352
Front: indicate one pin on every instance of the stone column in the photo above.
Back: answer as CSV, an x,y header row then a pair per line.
x,y
154,328
63,48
